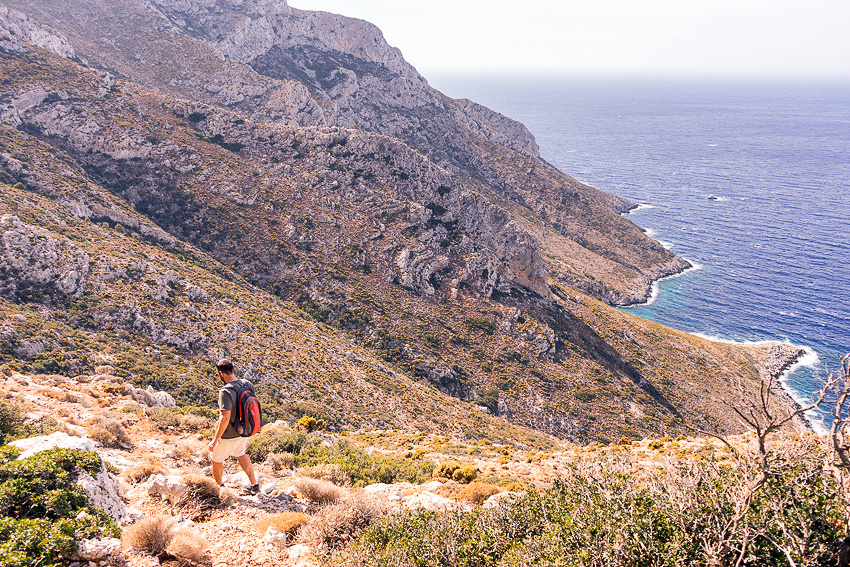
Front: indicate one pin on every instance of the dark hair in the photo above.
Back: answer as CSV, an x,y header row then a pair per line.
x,y
225,366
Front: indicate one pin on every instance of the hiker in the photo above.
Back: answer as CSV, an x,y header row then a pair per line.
x,y
227,442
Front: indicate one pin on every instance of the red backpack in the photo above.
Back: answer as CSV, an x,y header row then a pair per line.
x,y
247,420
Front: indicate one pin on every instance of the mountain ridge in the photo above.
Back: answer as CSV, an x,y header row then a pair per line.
x,y
440,276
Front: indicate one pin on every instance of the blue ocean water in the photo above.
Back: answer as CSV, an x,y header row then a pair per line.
x,y
772,250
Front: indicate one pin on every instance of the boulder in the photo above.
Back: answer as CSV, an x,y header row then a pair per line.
x,y
497,499
98,549
149,397
169,487
388,490
240,479
428,501
274,537
298,551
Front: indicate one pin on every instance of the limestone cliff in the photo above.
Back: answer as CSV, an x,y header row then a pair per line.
x,y
276,64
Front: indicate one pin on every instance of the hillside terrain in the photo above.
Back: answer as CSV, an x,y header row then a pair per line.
x,y
390,497
355,276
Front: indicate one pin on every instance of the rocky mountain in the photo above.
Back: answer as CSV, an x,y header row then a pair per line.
x,y
185,180
274,64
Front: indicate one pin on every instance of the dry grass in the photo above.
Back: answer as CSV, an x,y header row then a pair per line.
x,y
227,496
330,473
191,451
285,522
189,545
478,492
64,396
337,525
320,491
149,535
202,497
108,432
280,461
144,471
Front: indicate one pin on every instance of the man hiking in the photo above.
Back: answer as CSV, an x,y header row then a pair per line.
x,y
227,442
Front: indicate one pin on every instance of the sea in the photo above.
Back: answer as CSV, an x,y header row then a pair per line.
x,y
747,179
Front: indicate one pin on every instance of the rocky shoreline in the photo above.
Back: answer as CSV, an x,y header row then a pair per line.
x,y
777,361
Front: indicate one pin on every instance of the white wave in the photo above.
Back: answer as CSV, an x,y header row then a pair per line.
x,y
640,207
650,232
655,288
665,244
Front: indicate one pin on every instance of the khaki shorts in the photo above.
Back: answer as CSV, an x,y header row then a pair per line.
x,y
229,448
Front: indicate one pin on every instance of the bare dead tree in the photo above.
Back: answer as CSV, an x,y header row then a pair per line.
x,y
759,412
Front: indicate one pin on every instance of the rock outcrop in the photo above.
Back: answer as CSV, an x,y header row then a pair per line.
x,y
102,491
58,440
20,27
34,262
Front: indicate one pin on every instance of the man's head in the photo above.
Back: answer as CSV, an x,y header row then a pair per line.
x,y
225,369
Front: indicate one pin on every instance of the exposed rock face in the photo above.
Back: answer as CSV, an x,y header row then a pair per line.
x,y
150,398
272,63
345,63
98,549
104,491
19,26
32,261
33,445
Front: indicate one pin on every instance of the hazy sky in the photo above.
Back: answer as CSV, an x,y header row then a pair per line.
x,y
742,37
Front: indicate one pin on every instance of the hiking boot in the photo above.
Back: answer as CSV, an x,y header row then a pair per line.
x,y
251,490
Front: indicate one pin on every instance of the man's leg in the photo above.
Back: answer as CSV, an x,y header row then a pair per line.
x,y
245,463
217,471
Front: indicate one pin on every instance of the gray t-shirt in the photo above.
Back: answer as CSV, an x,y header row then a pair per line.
x,y
227,401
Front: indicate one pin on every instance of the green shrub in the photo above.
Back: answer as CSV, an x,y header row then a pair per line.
x,y
465,474
584,395
277,441
446,470
12,426
310,424
10,419
484,325
597,515
41,509
363,468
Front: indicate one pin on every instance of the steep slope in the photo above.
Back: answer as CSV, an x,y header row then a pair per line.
x,y
360,231
272,63
86,281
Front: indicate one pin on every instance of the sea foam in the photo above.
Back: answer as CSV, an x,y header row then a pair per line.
x,y
656,288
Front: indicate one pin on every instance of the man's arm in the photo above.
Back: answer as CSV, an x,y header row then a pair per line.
x,y
223,420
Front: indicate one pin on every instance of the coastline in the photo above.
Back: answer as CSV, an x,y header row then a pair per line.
x,y
681,267
776,365
655,289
